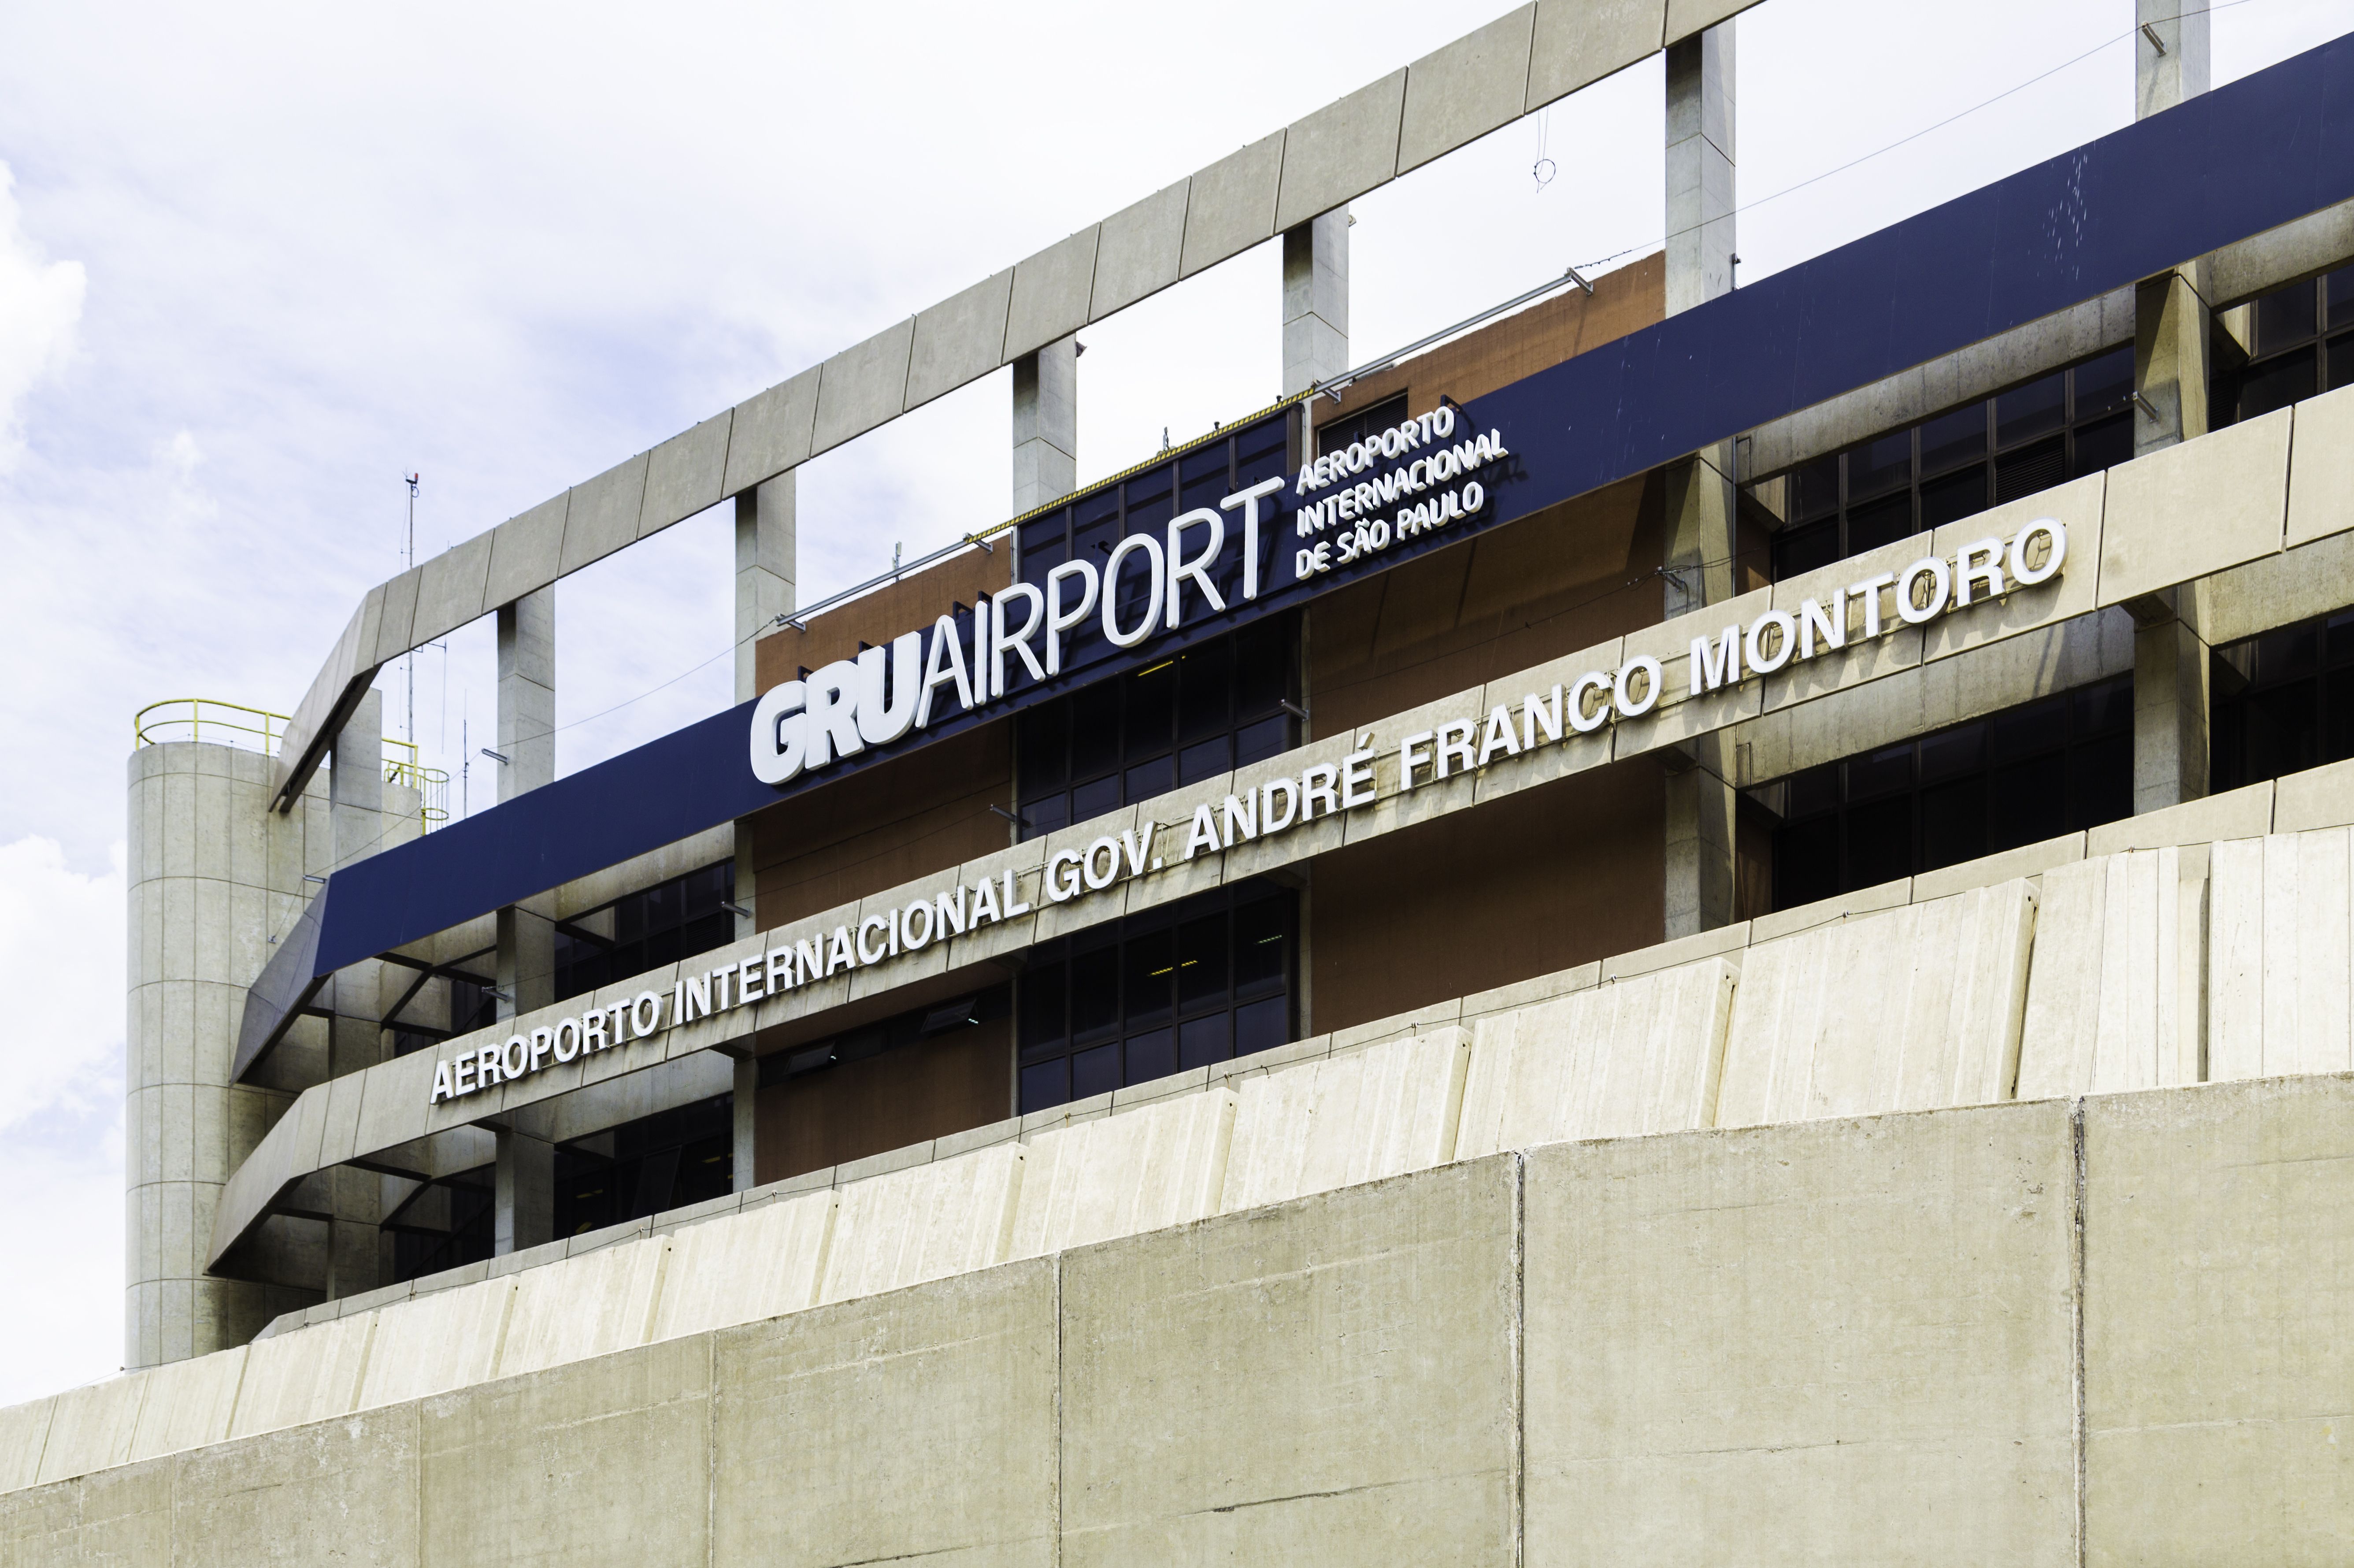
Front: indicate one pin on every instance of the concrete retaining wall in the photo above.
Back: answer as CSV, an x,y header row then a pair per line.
x,y
1840,1342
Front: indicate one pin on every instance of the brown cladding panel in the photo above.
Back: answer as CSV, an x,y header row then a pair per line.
x,y
1532,883
910,604
916,1092
901,819
1566,578
1506,350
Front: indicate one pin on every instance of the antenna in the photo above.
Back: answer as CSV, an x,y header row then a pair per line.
x,y
408,560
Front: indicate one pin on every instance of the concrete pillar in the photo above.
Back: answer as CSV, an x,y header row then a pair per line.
x,y
746,1105
1697,853
765,567
1701,164
525,1193
2171,328
767,563
355,1042
2176,65
766,552
1315,301
1045,424
526,966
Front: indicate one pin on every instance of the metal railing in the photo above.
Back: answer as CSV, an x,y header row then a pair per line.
x,y
257,729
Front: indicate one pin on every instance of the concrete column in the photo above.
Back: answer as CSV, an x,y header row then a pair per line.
x,y
746,1104
2171,327
1701,164
1045,424
2176,65
767,555
1698,854
354,1041
1315,301
2171,687
525,1193
765,567
526,966
767,564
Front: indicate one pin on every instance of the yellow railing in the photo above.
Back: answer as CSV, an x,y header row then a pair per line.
x,y
201,718
254,729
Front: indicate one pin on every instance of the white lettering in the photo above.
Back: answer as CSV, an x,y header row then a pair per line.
x,y
1000,644
1061,619
1150,548
887,709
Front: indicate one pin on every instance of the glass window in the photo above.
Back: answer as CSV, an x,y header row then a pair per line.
x,y
2031,772
1952,439
1334,435
2283,701
659,924
1129,738
2026,412
1956,464
2284,362
1153,994
2284,318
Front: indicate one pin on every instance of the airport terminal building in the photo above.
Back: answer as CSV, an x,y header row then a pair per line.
x,y
1685,924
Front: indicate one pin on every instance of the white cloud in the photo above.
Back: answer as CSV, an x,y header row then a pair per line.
x,y
62,1296
61,967
40,301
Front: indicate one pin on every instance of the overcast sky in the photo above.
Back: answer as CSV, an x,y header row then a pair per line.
x,y
257,261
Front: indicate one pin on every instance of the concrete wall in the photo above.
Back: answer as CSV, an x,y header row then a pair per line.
x,y
1915,996
1843,1342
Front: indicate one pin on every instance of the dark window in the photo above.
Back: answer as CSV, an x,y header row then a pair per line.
x,y
2061,426
1334,434
444,1224
1215,706
906,1029
656,1163
1158,993
655,926
2031,772
2283,700
663,1162
2292,355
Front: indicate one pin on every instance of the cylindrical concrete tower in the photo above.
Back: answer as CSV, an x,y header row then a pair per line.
x,y
215,879
213,873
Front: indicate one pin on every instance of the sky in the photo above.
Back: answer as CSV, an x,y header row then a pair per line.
x,y
258,262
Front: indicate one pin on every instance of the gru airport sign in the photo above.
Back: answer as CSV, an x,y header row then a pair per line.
x,y
1261,541
1847,618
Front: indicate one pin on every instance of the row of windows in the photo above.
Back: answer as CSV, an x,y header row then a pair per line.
x,y
2071,422
2282,701
646,930
1138,999
1196,715
2304,344
2031,772
656,1163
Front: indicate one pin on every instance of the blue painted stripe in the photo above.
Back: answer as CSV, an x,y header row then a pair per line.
x,y
2262,152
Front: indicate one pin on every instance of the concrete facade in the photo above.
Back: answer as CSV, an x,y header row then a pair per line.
x,y
1543,1357
1982,1213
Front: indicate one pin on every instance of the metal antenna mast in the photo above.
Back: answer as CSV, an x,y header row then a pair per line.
x,y
409,559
